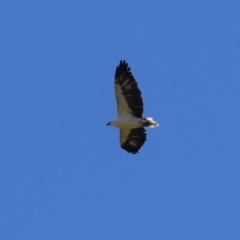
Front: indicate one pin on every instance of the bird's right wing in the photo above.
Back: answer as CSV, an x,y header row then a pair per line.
x,y
132,139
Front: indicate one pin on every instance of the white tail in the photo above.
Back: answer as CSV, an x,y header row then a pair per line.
x,y
151,123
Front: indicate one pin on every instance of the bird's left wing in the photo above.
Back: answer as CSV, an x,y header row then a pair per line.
x,y
128,95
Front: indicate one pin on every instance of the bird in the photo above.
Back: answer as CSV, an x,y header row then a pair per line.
x,y
130,109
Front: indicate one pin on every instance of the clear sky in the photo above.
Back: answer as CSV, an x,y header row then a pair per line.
x,y
63,174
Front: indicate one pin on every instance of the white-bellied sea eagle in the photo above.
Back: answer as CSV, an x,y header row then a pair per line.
x,y
130,110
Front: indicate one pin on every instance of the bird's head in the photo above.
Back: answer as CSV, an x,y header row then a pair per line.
x,y
112,123
109,124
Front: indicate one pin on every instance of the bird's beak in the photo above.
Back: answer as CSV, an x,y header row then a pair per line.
x,y
108,124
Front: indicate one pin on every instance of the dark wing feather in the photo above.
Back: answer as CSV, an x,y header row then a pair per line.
x,y
132,139
127,91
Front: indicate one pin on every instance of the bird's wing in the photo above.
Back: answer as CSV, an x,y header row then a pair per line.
x,y
132,139
128,95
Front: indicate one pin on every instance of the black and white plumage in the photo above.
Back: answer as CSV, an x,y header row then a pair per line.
x,y
130,110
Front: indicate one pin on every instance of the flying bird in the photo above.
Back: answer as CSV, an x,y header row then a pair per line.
x,y
130,110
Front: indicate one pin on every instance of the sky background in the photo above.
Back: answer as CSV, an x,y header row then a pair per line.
x,y
63,174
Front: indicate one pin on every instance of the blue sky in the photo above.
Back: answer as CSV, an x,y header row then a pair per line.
x,y
63,174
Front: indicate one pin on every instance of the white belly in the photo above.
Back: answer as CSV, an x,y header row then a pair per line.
x,y
128,121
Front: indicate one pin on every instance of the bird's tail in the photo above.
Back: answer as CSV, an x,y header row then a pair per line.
x,y
149,122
